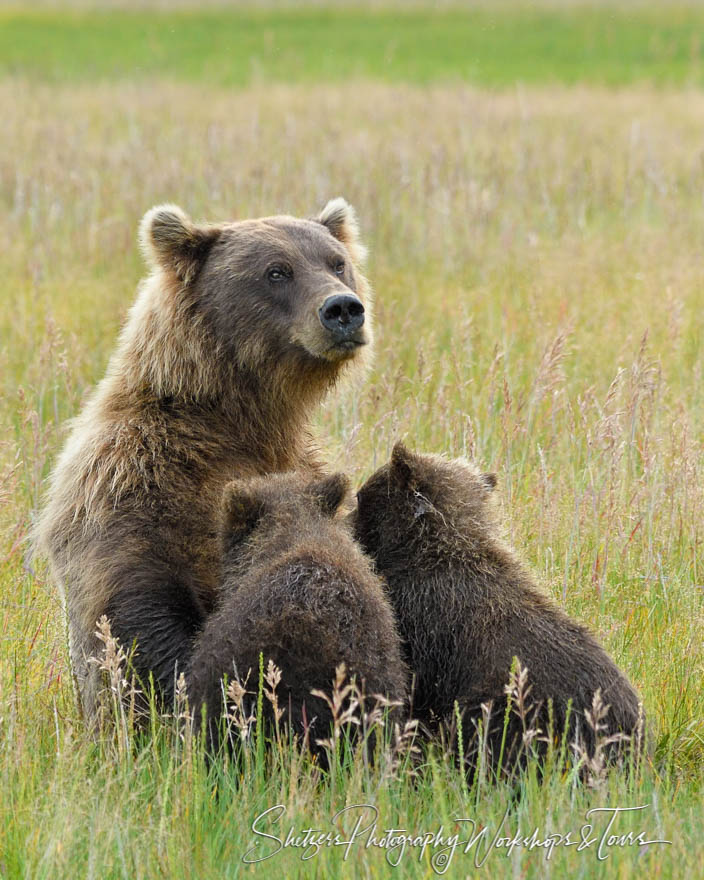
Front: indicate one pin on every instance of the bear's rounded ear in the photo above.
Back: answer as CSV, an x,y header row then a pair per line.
x,y
401,466
171,241
341,219
489,481
330,492
241,510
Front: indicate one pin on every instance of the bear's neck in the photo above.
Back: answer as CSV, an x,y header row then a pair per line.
x,y
266,420
259,424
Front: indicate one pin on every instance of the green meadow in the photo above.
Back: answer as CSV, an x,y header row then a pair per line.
x,y
494,47
529,182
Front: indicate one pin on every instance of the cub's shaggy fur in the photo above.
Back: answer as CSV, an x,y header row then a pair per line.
x,y
215,375
299,590
465,607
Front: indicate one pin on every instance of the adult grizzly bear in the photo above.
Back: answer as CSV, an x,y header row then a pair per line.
x,y
298,589
466,606
237,334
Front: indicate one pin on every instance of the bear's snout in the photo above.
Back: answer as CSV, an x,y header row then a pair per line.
x,y
342,315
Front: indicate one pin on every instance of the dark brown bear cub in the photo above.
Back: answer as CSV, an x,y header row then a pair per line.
x,y
465,607
299,590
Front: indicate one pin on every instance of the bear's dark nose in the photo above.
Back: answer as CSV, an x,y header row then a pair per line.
x,y
342,315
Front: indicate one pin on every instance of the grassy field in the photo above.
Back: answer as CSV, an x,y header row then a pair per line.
x,y
537,257
490,45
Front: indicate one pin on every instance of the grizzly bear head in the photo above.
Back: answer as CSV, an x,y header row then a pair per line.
x,y
261,517
423,501
257,293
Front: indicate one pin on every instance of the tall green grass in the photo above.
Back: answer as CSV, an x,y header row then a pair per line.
x,y
490,45
540,306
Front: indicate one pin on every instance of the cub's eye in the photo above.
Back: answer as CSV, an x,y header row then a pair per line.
x,y
279,273
340,267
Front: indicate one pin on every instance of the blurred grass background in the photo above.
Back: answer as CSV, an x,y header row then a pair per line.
x,y
489,45
530,180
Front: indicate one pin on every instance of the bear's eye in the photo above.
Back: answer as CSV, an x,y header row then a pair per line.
x,y
279,273
340,267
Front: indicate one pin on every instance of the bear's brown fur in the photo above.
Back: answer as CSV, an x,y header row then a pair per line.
x,y
298,589
221,361
466,606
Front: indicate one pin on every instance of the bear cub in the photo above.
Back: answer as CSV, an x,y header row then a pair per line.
x,y
298,589
466,606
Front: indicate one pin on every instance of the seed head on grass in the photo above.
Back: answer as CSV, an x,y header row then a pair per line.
x,y
343,704
236,714
113,661
595,762
117,701
272,679
403,752
182,714
517,689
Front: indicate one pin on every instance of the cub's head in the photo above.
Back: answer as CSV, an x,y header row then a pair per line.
x,y
423,500
263,516
263,293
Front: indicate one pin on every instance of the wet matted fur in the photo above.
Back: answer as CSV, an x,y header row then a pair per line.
x,y
298,590
466,607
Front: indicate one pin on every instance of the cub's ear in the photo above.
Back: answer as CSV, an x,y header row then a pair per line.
x,y
242,509
340,218
330,493
489,481
402,465
170,240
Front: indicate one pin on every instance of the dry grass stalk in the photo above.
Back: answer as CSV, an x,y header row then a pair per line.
x,y
344,704
236,712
